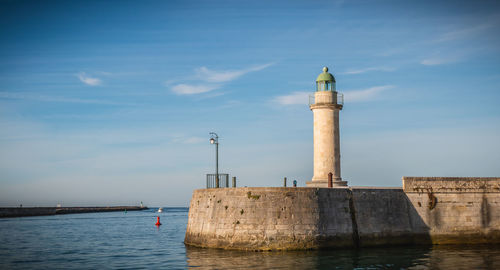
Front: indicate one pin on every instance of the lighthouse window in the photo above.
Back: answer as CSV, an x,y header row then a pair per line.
x,y
327,86
321,86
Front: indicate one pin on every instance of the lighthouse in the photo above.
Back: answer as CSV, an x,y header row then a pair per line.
x,y
326,105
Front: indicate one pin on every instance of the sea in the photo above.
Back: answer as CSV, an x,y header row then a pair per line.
x,y
130,240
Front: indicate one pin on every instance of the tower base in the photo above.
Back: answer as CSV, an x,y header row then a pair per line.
x,y
324,183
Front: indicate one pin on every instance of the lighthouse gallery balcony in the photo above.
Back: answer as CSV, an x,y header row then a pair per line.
x,y
336,98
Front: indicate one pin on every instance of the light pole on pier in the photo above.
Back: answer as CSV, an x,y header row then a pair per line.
x,y
214,139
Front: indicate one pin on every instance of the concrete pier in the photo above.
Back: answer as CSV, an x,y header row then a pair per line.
x,y
426,210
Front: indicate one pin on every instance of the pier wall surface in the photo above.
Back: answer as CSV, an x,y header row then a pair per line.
x,y
459,210
269,218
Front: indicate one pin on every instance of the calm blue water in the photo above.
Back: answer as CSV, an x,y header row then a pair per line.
x,y
119,240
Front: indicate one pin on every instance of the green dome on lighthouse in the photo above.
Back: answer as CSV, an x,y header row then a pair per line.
x,y
325,76
325,81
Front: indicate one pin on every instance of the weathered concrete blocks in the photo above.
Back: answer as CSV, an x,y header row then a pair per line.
x,y
457,209
426,210
262,218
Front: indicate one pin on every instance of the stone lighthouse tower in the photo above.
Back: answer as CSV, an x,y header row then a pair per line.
x,y
326,106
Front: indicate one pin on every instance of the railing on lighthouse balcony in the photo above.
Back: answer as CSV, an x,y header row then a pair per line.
x,y
339,99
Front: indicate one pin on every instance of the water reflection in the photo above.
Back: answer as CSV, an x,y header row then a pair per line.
x,y
437,257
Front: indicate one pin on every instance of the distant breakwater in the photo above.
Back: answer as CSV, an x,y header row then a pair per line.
x,y
47,211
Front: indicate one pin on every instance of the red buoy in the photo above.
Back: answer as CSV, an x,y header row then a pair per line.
x,y
158,221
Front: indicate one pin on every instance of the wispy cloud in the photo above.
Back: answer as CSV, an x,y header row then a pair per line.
x,y
42,98
189,89
363,70
465,33
295,98
211,95
365,94
214,76
86,79
434,61
210,80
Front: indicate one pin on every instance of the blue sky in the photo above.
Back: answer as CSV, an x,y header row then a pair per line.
x,y
111,102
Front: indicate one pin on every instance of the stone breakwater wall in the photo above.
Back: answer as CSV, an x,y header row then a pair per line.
x,y
457,210
269,218
310,218
47,211
299,218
